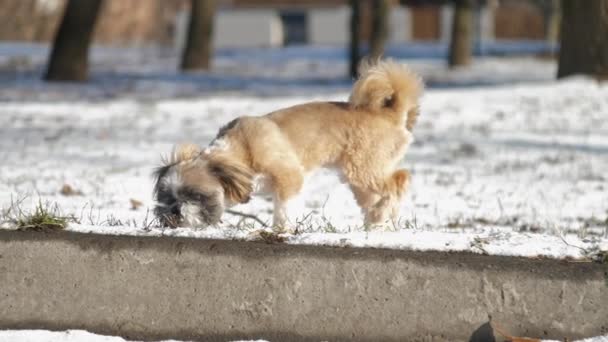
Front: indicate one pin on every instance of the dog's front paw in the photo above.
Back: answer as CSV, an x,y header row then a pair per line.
x,y
283,229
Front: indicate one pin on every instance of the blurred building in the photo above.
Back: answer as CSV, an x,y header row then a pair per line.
x,y
268,23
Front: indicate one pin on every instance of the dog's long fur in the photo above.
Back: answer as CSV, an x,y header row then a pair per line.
x,y
364,139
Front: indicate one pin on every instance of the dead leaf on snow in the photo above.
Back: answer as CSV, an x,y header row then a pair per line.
x,y
135,204
68,190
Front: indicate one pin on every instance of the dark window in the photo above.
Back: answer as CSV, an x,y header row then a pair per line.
x,y
294,24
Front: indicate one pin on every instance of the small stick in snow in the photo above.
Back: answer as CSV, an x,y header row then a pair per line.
x,y
561,236
251,216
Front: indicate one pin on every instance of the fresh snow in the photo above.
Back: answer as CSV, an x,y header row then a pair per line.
x,y
56,336
70,336
149,73
518,168
84,336
591,339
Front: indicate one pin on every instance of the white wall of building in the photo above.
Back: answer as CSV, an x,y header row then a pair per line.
x,y
487,23
483,26
446,17
400,25
328,26
238,28
248,28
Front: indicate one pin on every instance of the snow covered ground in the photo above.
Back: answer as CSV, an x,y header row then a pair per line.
x,y
84,336
516,168
68,336
56,336
149,73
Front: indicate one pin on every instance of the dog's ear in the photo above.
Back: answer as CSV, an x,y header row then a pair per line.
x,y
235,178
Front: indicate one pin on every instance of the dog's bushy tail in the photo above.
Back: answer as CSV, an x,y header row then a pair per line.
x,y
387,85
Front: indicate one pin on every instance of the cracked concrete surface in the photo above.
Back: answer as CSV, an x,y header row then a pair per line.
x,y
153,287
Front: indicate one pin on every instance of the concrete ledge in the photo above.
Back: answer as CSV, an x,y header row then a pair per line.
x,y
152,288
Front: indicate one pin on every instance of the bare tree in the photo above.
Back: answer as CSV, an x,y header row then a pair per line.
x,y
551,11
198,50
355,32
553,16
70,53
380,23
462,33
584,38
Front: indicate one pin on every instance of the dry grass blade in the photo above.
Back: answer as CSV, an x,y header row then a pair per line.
x,y
43,218
271,237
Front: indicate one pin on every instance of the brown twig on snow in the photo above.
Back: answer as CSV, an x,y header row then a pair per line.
x,y
250,216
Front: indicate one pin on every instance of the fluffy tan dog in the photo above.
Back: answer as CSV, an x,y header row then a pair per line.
x,y
363,139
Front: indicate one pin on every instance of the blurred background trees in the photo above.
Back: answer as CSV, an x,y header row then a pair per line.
x,y
461,42
380,11
584,42
355,34
70,54
380,25
462,30
552,14
198,50
364,28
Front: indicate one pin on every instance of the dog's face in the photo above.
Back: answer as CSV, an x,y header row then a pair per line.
x,y
187,195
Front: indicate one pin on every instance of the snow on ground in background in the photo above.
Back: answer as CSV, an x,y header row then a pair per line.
x,y
512,169
149,73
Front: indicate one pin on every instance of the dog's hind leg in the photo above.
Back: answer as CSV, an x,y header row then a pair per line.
x,y
379,205
397,186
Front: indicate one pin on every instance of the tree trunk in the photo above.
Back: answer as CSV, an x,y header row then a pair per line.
x,y
462,33
584,39
70,54
552,15
380,22
198,50
355,30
